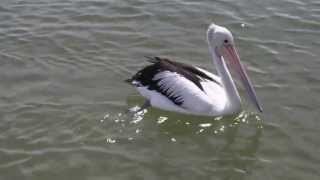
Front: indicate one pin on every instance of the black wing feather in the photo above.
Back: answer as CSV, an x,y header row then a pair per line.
x,y
146,75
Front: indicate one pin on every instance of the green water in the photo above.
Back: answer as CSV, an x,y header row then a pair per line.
x,y
63,99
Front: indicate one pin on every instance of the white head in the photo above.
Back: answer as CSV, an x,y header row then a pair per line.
x,y
221,43
219,37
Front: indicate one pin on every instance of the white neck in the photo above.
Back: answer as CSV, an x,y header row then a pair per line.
x,y
226,79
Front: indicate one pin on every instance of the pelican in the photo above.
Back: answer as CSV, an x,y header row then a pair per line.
x,y
183,88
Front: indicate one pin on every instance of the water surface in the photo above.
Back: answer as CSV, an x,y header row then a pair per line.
x,y
63,99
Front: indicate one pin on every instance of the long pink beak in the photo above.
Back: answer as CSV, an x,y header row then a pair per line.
x,y
230,52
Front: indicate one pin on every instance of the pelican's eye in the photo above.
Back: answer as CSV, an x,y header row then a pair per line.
x,y
226,41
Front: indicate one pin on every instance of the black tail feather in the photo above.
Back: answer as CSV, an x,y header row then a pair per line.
x,y
154,59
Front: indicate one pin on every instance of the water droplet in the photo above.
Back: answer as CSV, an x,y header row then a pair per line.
x,y
257,118
204,125
161,119
221,128
218,118
136,119
134,109
111,141
200,131
106,116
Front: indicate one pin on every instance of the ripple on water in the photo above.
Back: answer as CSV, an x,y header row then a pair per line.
x,y
63,101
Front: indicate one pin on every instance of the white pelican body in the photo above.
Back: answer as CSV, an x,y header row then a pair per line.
x,y
183,88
